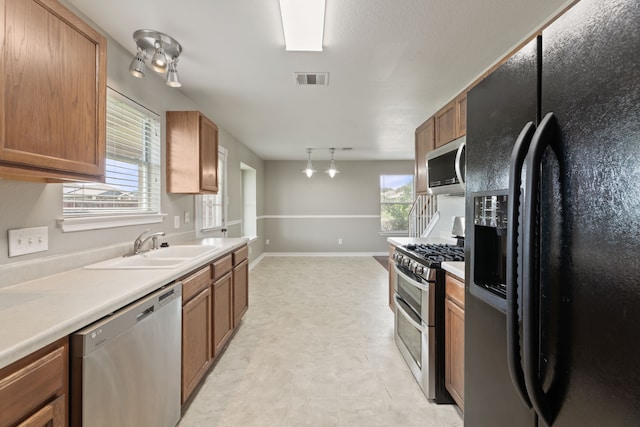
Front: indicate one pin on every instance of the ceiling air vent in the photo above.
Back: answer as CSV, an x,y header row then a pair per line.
x,y
312,79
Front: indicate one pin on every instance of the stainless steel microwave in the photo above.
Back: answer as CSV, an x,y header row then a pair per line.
x,y
446,168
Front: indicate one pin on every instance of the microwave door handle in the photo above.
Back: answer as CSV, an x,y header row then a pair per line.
x,y
514,364
458,163
530,283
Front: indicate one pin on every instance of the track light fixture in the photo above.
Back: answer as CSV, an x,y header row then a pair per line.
x,y
166,51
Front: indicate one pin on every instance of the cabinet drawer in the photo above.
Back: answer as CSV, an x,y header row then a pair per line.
x,y
222,266
195,283
455,290
240,255
27,388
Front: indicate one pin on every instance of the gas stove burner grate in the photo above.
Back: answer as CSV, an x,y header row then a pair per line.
x,y
434,253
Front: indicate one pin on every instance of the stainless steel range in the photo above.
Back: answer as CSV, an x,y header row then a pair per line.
x,y
419,316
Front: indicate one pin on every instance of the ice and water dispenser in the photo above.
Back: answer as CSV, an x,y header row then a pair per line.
x,y
489,248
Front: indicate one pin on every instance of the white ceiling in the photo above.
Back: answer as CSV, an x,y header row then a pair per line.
x,y
392,64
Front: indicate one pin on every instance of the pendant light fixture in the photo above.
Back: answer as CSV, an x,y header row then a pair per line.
x,y
164,51
332,171
309,169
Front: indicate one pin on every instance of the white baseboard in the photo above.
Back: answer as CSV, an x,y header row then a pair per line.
x,y
325,254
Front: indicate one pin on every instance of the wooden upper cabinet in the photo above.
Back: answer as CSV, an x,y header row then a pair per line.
x,y
192,153
53,94
446,124
451,121
461,115
425,142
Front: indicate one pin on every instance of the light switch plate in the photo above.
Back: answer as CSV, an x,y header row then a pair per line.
x,y
24,241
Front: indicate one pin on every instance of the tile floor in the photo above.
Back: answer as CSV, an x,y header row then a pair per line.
x,y
315,349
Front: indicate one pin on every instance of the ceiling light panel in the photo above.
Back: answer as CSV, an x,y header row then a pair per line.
x,y
303,24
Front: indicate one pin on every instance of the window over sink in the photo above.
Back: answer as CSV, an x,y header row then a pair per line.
x,y
131,191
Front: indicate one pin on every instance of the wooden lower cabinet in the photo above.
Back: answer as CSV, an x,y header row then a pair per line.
x,y
33,390
240,291
196,341
51,415
222,312
454,339
210,295
392,278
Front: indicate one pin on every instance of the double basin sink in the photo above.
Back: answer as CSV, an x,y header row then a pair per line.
x,y
170,257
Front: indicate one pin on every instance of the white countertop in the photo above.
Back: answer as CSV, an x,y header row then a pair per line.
x,y
401,241
454,267
39,312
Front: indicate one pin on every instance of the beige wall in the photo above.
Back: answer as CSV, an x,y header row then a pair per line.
x,y
310,214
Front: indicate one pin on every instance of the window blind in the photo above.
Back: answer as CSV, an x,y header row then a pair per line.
x,y
132,183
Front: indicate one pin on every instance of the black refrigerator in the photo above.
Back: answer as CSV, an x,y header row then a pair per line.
x,y
552,308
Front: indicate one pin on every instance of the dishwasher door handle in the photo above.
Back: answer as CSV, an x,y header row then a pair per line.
x,y
145,313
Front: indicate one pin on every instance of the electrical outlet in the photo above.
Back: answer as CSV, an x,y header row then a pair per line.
x,y
24,241
339,241
176,221
266,242
187,217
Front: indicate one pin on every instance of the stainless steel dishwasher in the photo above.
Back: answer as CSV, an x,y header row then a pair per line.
x,y
126,367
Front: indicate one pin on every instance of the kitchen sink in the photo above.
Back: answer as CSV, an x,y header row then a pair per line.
x,y
137,262
180,251
169,257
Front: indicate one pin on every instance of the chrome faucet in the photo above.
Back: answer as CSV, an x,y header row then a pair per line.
x,y
140,241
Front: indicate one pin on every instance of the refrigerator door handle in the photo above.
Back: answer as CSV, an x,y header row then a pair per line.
x,y
518,155
530,283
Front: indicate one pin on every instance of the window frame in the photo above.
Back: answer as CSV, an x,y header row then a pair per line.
x,y
222,194
383,203
98,219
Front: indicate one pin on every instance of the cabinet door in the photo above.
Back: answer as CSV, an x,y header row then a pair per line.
x,y
50,415
461,115
454,351
446,124
425,135
196,341
53,93
392,278
240,291
30,384
192,153
208,155
454,338
222,312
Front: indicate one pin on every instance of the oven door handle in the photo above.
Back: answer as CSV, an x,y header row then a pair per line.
x,y
411,281
399,303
